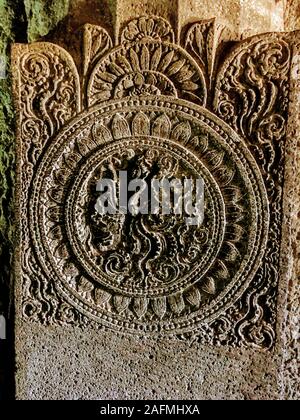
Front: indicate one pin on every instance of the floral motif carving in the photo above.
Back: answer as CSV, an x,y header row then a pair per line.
x,y
49,92
146,28
201,41
147,62
251,95
148,68
146,274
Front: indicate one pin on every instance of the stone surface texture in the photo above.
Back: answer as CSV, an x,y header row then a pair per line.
x,y
183,318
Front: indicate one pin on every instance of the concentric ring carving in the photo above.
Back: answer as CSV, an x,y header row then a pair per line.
x,y
129,281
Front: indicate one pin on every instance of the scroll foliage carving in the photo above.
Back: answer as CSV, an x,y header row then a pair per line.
x,y
252,93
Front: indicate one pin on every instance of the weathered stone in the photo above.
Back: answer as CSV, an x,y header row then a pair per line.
x,y
292,15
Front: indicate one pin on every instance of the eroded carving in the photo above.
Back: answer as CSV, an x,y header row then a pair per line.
x,y
251,95
152,274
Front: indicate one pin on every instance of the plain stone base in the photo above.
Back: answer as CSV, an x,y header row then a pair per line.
x,y
69,364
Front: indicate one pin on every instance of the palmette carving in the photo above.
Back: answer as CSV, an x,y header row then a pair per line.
x,y
153,274
201,41
146,63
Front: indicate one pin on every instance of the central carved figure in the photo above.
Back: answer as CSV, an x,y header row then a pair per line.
x,y
145,251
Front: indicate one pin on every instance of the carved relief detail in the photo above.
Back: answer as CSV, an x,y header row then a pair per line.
x,y
96,43
48,87
252,93
150,274
146,63
146,28
202,40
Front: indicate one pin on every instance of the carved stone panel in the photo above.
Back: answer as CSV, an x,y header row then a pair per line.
x,y
155,109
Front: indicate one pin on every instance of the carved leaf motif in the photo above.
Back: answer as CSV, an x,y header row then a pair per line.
x,y
215,158
54,214
145,58
61,252
121,303
145,28
103,95
135,62
202,40
235,194
189,86
193,296
175,67
225,175
166,61
182,132
107,77
185,74
71,159
116,69
141,125
61,175
159,306
84,285
231,253
162,126
55,194
140,306
176,303
55,233
196,40
222,270
124,63
209,286
156,57
120,127
236,233
85,144
96,43
101,296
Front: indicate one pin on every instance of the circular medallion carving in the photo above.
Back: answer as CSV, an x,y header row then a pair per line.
x,y
147,68
149,273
